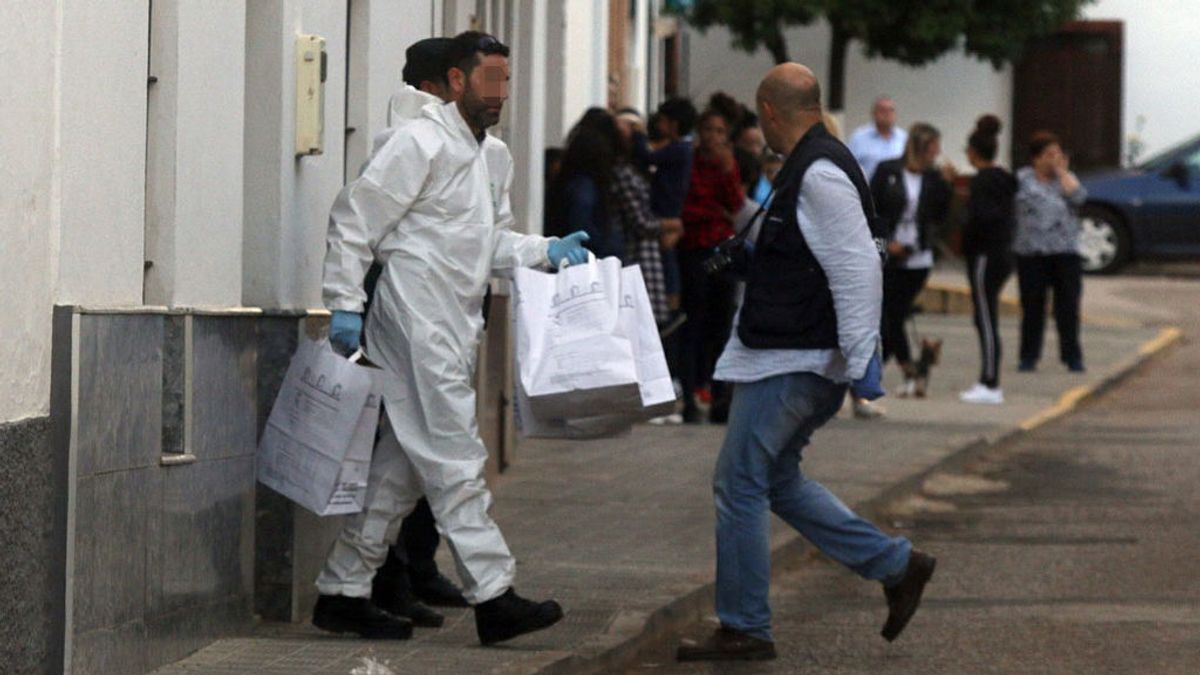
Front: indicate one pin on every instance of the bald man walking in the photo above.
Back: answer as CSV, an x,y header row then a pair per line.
x,y
808,328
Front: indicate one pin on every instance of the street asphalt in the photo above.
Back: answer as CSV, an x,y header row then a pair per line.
x,y
620,530
1070,550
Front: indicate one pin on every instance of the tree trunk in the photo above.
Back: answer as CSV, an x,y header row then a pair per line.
x,y
777,45
839,45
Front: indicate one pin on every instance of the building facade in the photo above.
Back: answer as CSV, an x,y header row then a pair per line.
x,y
161,260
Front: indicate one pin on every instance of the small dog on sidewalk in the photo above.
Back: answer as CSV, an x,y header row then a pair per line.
x,y
916,382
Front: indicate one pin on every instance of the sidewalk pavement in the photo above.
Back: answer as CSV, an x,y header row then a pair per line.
x,y
620,531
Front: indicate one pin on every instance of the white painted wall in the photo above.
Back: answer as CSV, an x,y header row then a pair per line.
x,y
27,96
457,16
195,146
287,198
637,90
102,150
962,89
1161,83
380,32
949,93
584,58
556,41
1159,80
527,111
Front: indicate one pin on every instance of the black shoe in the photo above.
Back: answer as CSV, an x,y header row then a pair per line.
x,y
673,324
510,615
438,591
718,413
421,615
726,644
341,614
904,598
1076,366
691,415
1027,366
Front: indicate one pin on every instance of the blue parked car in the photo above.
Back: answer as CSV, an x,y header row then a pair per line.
x,y
1152,210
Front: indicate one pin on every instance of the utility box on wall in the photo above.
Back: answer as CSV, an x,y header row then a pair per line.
x,y
311,68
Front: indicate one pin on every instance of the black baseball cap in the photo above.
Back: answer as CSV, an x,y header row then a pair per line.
x,y
427,59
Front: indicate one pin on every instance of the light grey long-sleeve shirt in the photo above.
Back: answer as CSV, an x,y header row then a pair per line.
x,y
835,228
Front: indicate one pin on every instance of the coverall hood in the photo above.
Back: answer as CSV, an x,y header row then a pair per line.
x,y
407,103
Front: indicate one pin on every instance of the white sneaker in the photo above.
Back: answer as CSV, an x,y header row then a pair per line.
x,y
981,393
865,410
672,419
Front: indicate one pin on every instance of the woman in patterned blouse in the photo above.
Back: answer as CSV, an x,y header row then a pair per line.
x,y
1047,249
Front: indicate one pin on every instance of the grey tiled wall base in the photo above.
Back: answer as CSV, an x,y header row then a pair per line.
x,y
160,554
31,559
158,539
291,543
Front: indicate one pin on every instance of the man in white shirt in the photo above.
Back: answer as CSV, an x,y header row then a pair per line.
x,y
807,330
879,141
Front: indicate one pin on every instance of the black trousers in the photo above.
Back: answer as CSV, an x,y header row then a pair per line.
x,y
1063,275
987,274
708,301
900,289
410,560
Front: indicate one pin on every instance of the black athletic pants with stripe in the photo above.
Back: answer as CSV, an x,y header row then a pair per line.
x,y
987,274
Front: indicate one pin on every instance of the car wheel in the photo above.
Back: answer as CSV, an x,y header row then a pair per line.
x,y
1104,241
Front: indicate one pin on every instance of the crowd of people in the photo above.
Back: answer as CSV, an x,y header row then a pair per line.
x,y
663,192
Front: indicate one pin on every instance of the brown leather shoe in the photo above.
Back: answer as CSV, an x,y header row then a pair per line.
x,y
904,598
726,644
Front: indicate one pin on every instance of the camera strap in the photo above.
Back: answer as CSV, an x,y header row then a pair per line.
x,y
744,234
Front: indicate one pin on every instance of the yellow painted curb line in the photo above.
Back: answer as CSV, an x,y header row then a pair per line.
x,y
1166,337
1101,320
956,289
1076,395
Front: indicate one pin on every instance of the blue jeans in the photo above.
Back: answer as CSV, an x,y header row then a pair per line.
x,y
770,422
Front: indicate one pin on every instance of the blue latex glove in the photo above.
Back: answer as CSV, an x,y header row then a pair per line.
x,y
569,247
870,385
345,331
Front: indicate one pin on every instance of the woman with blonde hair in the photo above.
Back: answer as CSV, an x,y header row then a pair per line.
x,y
912,198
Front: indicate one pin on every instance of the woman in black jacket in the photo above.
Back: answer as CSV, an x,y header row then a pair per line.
x,y
912,197
987,240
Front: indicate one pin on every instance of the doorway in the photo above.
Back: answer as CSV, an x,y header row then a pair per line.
x,y
1070,83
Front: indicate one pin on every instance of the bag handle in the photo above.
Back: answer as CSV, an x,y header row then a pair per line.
x,y
564,263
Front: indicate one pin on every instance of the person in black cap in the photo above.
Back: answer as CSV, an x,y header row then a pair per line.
x,y
425,65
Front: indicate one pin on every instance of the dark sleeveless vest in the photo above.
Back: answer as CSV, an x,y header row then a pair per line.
x,y
788,304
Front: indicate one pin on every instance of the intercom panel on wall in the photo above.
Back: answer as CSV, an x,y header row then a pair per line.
x,y
312,65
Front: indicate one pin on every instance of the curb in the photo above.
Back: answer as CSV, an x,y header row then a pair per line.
x,y
943,298
636,634
1076,396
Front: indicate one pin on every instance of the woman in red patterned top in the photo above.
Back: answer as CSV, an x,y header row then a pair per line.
x,y
714,195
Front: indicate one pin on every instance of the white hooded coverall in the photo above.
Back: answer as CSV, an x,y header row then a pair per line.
x,y
424,208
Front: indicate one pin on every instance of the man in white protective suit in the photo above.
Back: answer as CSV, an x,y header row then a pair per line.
x,y
424,208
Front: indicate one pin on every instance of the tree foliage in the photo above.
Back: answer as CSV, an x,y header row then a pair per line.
x,y
913,32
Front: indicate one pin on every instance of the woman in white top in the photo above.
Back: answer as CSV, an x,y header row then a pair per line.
x,y
912,197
